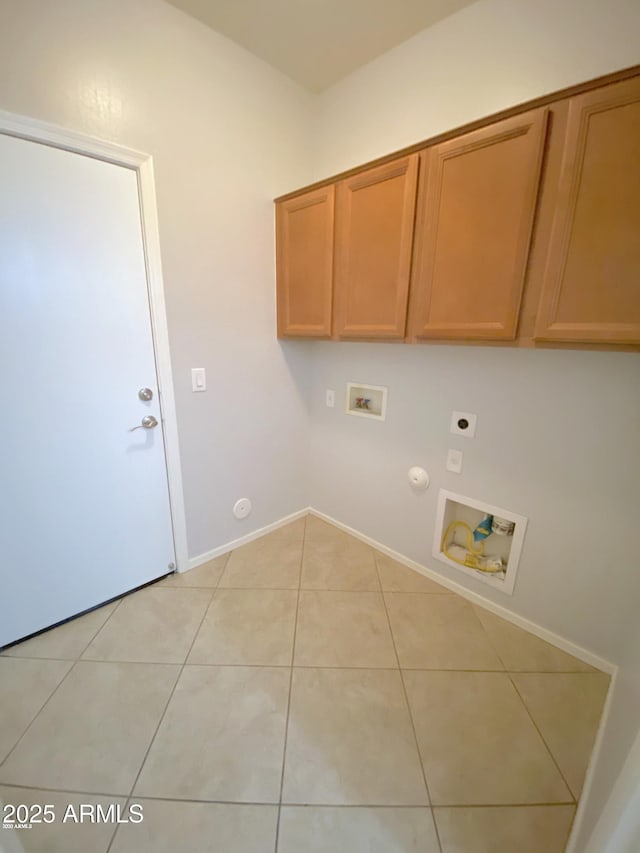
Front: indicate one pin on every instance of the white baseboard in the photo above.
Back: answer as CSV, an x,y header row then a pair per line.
x,y
194,562
522,622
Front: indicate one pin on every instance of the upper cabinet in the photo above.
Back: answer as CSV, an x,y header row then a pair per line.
x,y
304,263
476,206
591,282
374,231
524,229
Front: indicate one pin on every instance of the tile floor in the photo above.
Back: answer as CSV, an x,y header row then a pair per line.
x,y
305,694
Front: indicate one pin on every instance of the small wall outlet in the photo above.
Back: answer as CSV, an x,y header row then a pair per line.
x,y
454,461
330,397
198,379
463,423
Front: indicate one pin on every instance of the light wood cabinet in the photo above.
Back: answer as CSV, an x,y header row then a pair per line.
x,y
476,206
591,281
524,230
304,263
374,231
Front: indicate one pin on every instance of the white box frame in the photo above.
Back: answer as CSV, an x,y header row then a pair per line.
x,y
363,413
505,585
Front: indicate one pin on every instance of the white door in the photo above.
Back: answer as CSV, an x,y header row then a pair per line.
x,y
84,505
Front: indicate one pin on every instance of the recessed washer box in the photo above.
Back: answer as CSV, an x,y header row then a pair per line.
x,y
366,401
457,516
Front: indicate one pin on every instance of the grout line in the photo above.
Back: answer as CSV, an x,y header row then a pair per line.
x,y
406,699
168,702
293,653
492,644
116,828
42,707
130,799
310,666
509,675
259,665
224,569
257,589
55,790
270,803
294,588
543,739
559,804
183,587
54,628
104,624
430,808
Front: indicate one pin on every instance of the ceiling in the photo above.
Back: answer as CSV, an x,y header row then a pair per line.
x,y
318,42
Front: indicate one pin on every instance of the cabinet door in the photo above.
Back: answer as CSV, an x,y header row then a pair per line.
x,y
304,262
591,289
374,234
476,205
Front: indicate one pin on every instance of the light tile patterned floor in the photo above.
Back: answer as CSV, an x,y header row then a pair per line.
x,y
305,694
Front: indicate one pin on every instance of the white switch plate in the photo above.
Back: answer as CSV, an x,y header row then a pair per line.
x,y
467,431
454,461
330,397
198,379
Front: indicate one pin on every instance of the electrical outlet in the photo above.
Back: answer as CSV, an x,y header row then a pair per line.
x,y
330,398
454,461
463,423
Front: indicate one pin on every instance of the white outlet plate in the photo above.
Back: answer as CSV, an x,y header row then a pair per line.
x,y
330,397
468,431
454,461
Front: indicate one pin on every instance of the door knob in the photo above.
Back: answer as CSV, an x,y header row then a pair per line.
x,y
148,422
145,394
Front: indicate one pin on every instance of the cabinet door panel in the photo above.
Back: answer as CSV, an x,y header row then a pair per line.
x,y
304,237
476,206
591,290
374,234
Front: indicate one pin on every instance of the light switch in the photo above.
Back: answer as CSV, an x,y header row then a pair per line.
x,y
454,461
330,398
198,379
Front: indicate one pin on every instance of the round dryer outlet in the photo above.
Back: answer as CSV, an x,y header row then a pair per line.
x,y
242,508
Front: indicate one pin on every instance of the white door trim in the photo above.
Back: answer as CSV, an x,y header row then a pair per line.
x,y
69,140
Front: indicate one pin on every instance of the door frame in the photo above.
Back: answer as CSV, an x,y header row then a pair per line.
x,y
34,130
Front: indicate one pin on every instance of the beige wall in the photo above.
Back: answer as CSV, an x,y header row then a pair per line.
x,y
557,431
227,134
